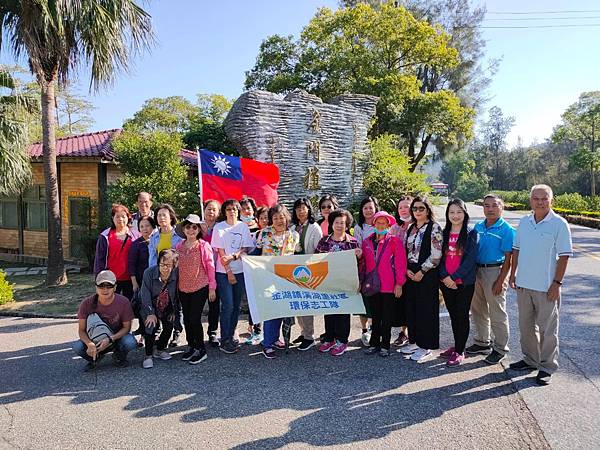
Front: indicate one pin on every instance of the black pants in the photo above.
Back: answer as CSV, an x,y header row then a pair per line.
x,y
255,326
163,340
337,327
399,316
192,304
423,310
382,309
125,288
213,316
458,303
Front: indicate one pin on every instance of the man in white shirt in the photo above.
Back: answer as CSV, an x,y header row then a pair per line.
x,y
541,251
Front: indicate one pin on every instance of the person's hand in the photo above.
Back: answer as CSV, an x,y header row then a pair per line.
x,y
418,276
104,343
497,286
171,317
231,277
397,291
358,252
92,350
449,283
512,282
135,286
150,321
226,259
554,292
212,295
410,274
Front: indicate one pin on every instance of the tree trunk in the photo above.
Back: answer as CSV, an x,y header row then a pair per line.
x,y
56,265
593,177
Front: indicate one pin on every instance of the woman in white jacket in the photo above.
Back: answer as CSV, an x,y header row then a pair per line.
x,y
310,234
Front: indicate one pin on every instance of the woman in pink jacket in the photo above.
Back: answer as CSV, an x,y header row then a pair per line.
x,y
196,284
383,274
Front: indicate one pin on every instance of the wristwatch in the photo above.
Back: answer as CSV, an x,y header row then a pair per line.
x,y
558,282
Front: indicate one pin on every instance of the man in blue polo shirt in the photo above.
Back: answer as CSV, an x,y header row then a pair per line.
x,y
488,307
541,252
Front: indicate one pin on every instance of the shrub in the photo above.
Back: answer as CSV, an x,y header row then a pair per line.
x,y
6,289
574,201
471,186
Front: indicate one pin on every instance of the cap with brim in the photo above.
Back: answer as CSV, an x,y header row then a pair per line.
x,y
389,217
191,218
106,276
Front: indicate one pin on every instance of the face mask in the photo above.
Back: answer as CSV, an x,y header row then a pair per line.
x,y
382,232
247,219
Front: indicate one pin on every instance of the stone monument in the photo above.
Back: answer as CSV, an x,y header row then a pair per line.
x,y
319,147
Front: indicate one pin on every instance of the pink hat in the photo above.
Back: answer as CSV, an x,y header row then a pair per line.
x,y
389,217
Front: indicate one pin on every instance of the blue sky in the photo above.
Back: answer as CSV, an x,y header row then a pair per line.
x,y
205,47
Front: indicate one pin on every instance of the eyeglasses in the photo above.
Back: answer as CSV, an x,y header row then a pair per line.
x,y
191,226
231,209
105,286
327,207
166,265
418,208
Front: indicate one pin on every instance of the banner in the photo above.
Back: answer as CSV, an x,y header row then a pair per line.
x,y
302,285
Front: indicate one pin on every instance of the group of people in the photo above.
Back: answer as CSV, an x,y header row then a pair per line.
x,y
151,267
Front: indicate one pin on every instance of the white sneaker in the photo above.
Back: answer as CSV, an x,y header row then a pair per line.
x,y
420,354
162,354
365,338
409,349
148,362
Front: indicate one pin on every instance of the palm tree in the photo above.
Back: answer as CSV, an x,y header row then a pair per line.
x,y
58,37
15,109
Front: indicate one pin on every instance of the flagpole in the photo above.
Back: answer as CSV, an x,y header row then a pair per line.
x,y
200,183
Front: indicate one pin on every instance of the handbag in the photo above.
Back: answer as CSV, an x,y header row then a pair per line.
x,y
371,284
97,329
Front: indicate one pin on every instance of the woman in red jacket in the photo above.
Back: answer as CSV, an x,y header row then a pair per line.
x,y
383,274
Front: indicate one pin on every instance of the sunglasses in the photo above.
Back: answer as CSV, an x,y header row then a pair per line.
x,y
418,208
192,226
105,286
327,207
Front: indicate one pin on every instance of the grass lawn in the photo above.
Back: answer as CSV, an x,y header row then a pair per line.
x,y
11,264
33,296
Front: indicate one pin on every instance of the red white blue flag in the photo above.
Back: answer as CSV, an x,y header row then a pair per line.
x,y
223,177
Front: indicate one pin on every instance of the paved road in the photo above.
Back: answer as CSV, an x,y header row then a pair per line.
x,y
304,399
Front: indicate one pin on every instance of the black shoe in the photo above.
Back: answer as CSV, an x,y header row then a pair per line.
x,y
543,378
298,340
521,366
494,357
372,350
477,349
119,361
322,337
213,340
188,355
175,341
306,344
199,356
228,347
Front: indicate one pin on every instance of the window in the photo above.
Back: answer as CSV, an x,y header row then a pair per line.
x,y
34,208
8,213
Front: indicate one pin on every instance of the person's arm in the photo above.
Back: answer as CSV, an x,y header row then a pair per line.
x,y
400,263
152,254
468,262
146,293
132,263
435,255
100,257
125,328
512,281
559,274
82,331
504,271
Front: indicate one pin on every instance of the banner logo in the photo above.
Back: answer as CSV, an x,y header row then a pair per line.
x,y
308,276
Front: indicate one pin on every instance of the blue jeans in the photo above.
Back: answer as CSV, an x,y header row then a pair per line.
x,y
271,332
120,348
231,297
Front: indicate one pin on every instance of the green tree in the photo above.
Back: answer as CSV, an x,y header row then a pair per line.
x,y
15,110
581,127
388,175
471,186
58,37
170,114
206,127
375,51
150,162
453,166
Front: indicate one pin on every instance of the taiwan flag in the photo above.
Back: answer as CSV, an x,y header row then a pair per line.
x,y
223,177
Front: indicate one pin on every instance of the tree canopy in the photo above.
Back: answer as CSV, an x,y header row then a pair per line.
x,y
379,51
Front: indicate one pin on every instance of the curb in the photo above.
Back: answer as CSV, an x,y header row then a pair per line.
x,y
27,315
